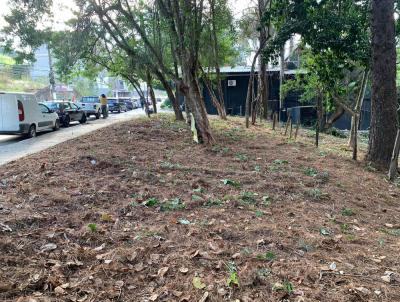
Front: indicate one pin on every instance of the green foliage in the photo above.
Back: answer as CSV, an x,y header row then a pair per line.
x,y
151,202
242,157
309,171
232,183
174,204
248,197
233,279
268,256
278,164
92,227
347,212
166,104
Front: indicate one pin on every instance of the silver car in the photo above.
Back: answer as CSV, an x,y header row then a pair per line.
x,y
91,105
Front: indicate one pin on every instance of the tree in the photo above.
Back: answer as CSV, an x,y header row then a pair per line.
x,y
384,98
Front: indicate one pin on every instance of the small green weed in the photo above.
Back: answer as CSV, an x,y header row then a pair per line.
x,y
347,212
259,213
248,197
199,190
196,197
309,171
266,200
268,256
278,164
151,202
213,202
232,183
257,168
316,194
242,157
175,204
344,227
92,227
233,278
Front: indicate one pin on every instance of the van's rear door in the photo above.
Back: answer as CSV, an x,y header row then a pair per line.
x,y
9,120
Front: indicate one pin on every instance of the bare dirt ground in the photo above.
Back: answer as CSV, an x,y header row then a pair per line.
x,y
139,213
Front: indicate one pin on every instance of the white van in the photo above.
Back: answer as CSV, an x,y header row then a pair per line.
x,y
20,113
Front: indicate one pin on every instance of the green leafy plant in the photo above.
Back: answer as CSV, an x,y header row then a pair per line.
x,y
259,213
309,171
268,256
230,182
151,202
213,202
174,204
257,168
347,212
242,157
278,164
248,197
266,200
317,194
196,197
233,278
92,227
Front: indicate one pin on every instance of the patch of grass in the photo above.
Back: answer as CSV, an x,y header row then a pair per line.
x,y
151,202
248,197
242,157
196,197
171,166
259,213
213,203
232,183
268,256
233,133
309,171
344,227
92,227
278,165
175,204
392,232
257,168
347,212
316,194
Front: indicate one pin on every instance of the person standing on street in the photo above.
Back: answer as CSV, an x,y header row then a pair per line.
x,y
103,103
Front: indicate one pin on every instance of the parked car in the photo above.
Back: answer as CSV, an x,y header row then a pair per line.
x,y
136,103
20,113
91,105
67,111
129,105
115,105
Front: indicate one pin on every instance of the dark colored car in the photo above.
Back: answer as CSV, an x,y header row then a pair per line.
x,y
68,112
129,105
115,105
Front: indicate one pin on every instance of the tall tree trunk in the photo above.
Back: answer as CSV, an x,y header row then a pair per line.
x,y
250,92
171,96
194,100
262,75
355,119
150,91
384,100
281,81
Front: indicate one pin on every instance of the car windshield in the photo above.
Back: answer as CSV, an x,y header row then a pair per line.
x,y
52,105
90,99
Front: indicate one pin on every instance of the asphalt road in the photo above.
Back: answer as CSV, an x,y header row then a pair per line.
x,y
13,147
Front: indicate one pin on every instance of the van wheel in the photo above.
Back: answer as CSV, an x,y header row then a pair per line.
x,y
32,131
56,125
83,119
